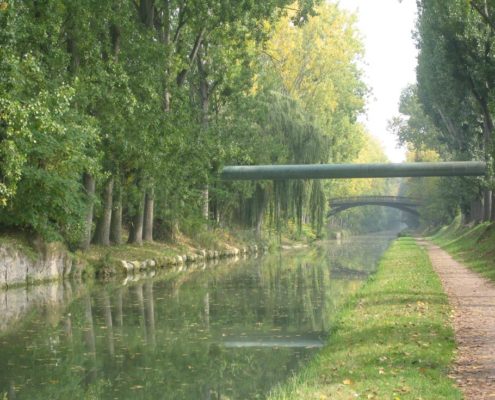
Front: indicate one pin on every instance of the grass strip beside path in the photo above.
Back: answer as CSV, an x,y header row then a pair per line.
x,y
394,339
474,246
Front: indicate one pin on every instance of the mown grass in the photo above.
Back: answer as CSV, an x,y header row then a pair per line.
x,y
393,340
472,245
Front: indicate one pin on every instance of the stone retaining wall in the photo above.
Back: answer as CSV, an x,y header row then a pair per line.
x,y
128,267
52,262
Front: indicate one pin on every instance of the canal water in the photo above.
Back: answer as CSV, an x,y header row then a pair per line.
x,y
231,330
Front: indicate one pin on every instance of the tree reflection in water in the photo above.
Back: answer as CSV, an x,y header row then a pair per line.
x,y
229,331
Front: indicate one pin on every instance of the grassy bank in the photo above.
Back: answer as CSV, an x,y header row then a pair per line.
x,y
211,240
107,261
393,340
472,245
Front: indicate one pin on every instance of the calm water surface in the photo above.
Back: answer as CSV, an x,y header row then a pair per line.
x,y
232,330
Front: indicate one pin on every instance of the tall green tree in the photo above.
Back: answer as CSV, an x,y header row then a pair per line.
x,y
456,80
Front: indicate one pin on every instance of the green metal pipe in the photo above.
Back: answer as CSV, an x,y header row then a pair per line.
x,y
339,171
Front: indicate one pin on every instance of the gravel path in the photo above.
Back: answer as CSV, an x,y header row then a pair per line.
x,y
472,298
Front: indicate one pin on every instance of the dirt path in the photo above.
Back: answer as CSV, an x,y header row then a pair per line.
x,y
473,299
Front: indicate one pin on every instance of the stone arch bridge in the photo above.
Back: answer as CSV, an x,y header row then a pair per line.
x,y
406,204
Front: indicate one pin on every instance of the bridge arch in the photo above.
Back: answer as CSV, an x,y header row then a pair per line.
x,y
406,204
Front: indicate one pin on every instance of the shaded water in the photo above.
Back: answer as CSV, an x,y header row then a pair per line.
x,y
225,331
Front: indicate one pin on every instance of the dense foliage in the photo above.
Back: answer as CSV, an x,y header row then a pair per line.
x,y
116,116
450,109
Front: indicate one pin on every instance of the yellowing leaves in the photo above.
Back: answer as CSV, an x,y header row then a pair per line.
x,y
317,65
371,152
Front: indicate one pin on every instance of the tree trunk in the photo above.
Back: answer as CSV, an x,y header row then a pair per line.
x,y
472,211
89,187
487,204
149,215
488,144
116,222
216,212
478,210
447,122
205,199
136,232
204,95
259,224
260,198
147,12
181,76
166,43
174,230
102,235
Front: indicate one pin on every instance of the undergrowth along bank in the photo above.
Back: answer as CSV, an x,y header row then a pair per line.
x,y
393,340
473,245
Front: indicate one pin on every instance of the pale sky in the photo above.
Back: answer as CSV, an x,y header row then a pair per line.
x,y
386,27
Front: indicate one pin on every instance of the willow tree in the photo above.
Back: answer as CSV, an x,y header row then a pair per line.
x,y
304,143
316,66
306,94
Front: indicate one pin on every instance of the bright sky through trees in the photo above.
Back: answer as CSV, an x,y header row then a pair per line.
x,y
386,26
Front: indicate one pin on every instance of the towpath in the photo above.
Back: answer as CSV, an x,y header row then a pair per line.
x,y
472,298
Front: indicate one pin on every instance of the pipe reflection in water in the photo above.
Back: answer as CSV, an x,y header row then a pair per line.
x,y
228,331
275,343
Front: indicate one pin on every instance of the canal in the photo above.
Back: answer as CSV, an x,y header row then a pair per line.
x,y
231,330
